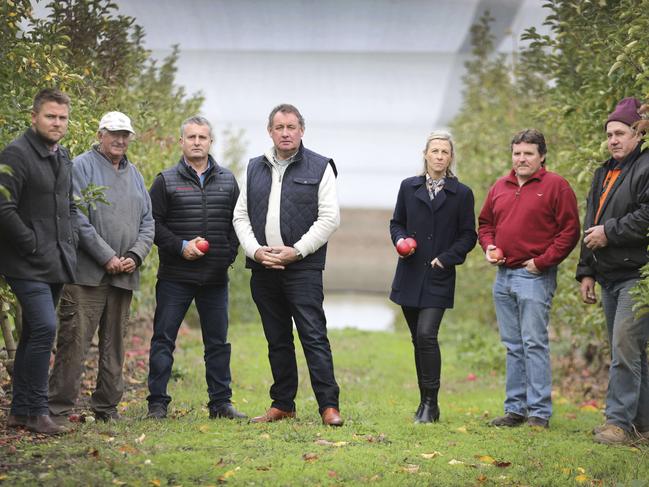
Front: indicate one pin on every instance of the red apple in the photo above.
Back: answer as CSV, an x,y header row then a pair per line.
x,y
203,245
412,242
471,377
496,254
404,248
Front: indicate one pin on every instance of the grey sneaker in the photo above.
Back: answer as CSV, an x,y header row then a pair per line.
x,y
157,411
509,419
612,435
538,422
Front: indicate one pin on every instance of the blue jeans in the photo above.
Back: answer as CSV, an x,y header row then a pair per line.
x,y
627,400
32,362
172,301
522,302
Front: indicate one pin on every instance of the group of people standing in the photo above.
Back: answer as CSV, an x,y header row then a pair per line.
x,y
56,241
61,241
528,224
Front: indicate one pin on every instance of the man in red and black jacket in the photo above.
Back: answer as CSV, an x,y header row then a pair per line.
x,y
613,251
529,223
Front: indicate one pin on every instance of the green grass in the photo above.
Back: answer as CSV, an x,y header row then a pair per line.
x,y
378,444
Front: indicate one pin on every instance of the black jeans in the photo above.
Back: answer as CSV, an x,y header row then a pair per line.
x,y
38,302
281,298
172,301
424,325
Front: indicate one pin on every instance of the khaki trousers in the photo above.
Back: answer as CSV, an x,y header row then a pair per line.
x,y
82,309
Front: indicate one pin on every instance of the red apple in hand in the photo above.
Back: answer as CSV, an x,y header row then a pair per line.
x,y
496,254
203,245
412,242
404,248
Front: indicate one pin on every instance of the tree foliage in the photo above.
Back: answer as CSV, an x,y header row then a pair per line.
x,y
564,84
96,56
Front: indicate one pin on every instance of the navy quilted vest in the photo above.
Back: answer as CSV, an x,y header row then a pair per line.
x,y
299,202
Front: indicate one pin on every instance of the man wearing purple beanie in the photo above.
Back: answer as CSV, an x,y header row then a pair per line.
x,y
612,253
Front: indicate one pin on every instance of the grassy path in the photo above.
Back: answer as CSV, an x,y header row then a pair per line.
x,y
378,444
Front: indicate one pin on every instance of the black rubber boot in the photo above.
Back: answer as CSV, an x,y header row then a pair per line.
x,y
430,410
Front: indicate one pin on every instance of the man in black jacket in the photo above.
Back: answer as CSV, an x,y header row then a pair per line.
x,y
613,251
192,207
37,249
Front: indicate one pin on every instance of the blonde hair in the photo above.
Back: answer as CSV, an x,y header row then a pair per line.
x,y
441,135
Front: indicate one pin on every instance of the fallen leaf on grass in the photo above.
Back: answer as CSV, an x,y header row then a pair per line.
x,y
501,464
3,477
118,482
93,453
455,462
228,474
263,468
481,478
581,479
131,380
381,438
128,450
485,458
410,468
310,457
330,443
431,455
331,474
204,428
155,482
462,429
264,436
140,438
566,470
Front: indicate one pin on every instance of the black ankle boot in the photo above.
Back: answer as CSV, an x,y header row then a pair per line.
x,y
430,410
421,404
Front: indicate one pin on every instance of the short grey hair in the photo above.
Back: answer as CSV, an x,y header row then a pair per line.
x,y
285,108
441,135
196,120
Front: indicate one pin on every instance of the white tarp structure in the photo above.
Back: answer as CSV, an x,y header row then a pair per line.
x,y
371,77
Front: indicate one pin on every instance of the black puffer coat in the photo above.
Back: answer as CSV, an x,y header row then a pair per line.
x,y
183,210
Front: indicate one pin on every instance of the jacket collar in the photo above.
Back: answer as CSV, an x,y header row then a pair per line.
x,y
450,183
538,175
37,142
627,161
188,172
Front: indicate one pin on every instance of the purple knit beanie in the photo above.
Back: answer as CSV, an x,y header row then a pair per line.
x,y
626,112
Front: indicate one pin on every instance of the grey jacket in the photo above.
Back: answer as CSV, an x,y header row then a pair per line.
x,y
126,225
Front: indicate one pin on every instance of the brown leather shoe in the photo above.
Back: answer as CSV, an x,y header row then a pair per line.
x,y
43,424
273,414
16,421
331,417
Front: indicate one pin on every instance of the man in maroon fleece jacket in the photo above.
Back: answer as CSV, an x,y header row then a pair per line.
x,y
531,216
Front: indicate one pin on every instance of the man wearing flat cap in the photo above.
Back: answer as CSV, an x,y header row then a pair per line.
x,y
613,251
111,249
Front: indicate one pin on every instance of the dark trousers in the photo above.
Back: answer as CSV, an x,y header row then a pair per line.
x,y
424,326
281,298
172,301
83,309
31,365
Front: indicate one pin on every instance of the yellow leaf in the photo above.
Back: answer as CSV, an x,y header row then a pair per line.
x,y
581,479
462,429
589,407
485,458
228,474
204,428
3,477
264,436
455,462
155,482
581,470
431,455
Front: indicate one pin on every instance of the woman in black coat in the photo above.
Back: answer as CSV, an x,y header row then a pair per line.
x,y
436,210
